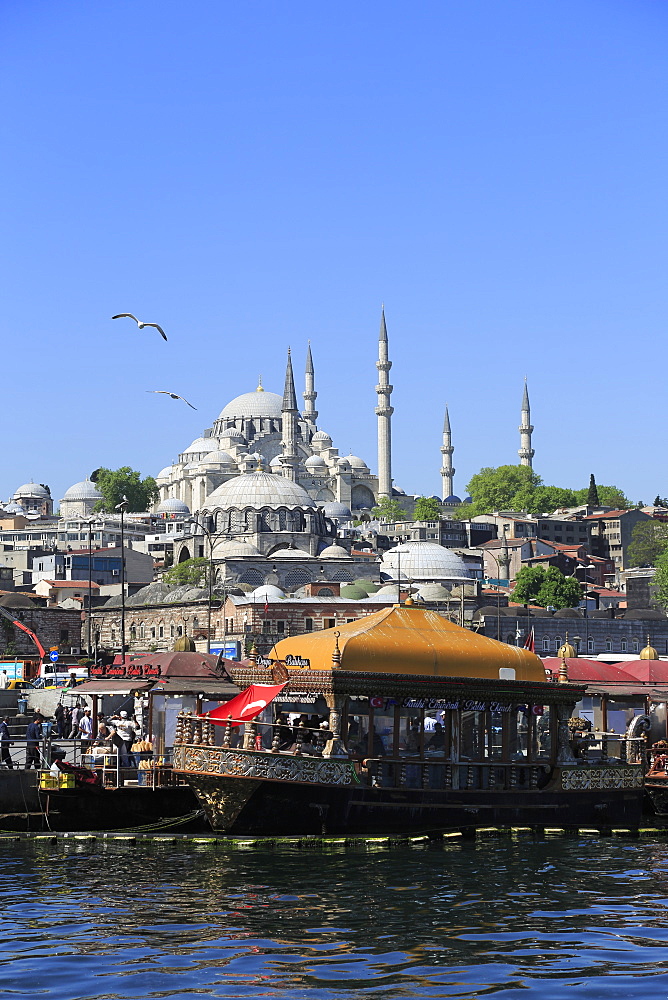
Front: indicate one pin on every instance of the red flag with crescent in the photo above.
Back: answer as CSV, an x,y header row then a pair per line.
x,y
245,706
530,642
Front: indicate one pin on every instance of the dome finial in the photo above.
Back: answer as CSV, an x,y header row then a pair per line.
x,y
260,387
567,651
649,652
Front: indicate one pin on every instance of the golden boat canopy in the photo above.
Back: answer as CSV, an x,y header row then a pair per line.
x,y
408,640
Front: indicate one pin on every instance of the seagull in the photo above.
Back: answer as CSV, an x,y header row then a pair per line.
x,y
140,324
166,392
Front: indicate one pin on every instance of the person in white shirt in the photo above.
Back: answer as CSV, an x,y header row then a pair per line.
x,y
4,681
85,729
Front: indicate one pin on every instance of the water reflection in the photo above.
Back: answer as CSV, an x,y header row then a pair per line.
x,y
553,919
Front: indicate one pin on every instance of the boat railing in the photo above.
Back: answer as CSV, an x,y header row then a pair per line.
x,y
609,748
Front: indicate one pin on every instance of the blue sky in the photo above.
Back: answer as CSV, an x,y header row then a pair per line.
x,y
251,175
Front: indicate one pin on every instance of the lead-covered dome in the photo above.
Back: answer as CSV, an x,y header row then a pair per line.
x,y
335,552
252,404
337,511
257,490
315,462
172,506
235,549
424,562
86,490
31,490
218,458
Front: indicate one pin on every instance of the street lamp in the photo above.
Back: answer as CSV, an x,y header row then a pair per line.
x,y
90,521
122,507
212,538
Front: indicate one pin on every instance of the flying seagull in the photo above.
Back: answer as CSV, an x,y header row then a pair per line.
x,y
166,392
140,324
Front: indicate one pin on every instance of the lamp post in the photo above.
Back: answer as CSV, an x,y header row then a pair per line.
x,y
498,597
90,521
122,507
211,538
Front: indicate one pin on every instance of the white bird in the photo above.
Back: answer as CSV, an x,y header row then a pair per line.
x,y
140,324
166,392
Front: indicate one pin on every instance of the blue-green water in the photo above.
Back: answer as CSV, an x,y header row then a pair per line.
x,y
547,919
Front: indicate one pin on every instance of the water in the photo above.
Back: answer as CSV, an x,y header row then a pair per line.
x,y
549,919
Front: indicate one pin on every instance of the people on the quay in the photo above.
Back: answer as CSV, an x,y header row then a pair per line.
x,y
117,745
4,681
5,743
75,715
33,738
86,730
59,717
126,731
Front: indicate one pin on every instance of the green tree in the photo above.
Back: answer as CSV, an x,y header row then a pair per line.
x,y
546,499
502,488
389,509
660,581
546,587
114,484
427,509
190,571
608,496
649,540
592,495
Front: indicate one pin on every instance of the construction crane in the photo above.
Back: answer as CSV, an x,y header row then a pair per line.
x,y
24,628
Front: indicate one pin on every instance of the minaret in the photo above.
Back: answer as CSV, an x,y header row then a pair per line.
x,y
310,414
384,413
447,469
290,413
525,451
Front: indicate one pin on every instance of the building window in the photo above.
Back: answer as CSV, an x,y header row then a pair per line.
x,y
179,629
608,645
280,626
328,622
624,645
266,627
171,631
546,644
590,645
308,624
195,623
153,633
113,636
636,646
64,635
161,631
557,642
133,633
141,632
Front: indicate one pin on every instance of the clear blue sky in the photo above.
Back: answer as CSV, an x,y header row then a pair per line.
x,y
254,174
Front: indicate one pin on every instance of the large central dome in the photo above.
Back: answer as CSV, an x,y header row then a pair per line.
x,y
253,404
257,490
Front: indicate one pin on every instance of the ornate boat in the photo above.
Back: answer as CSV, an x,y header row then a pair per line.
x,y
428,726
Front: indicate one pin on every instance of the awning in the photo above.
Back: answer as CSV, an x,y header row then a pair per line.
x,y
121,686
216,690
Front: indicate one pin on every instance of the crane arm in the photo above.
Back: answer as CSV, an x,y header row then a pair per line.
x,y
24,628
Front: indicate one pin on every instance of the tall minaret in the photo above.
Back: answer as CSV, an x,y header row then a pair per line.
x,y
525,451
310,414
447,469
290,414
384,413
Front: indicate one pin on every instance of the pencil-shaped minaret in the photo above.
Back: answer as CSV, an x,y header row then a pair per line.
x,y
447,468
384,412
525,451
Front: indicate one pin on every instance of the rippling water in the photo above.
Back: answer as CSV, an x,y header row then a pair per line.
x,y
548,919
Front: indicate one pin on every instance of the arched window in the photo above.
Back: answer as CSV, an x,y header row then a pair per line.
x,y
636,646
557,642
133,633
546,643
195,622
141,631
590,645
624,645
608,645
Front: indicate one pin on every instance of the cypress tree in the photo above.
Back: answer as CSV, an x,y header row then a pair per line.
x,y
592,496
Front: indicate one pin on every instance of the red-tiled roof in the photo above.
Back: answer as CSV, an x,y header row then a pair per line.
x,y
603,517
80,584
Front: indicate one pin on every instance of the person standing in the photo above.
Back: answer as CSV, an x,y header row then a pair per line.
x,y
4,681
33,737
75,716
59,716
5,744
86,730
127,734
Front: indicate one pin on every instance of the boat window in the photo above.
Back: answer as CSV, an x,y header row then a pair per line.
x,y
541,745
472,735
382,740
518,733
494,735
410,732
356,727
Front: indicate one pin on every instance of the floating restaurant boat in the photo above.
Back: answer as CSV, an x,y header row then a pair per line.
x,y
427,726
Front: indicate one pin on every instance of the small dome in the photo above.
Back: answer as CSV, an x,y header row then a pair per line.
x,y
31,490
13,508
653,614
172,506
85,490
322,436
315,462
257,490
291,554
218,458
275,462
253,404
337,511
184,644
369,585
566,650
567,613
200,444
334,552
166,473
343,465
16,601
232,434
486,611
357,463
235,550
649,652
268,591
424,562
452,499
353,593
433,592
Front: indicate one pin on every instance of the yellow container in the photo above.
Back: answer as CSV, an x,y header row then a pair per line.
x,y
47,782
66,781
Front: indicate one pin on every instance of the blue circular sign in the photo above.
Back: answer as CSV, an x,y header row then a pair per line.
x,y
53,657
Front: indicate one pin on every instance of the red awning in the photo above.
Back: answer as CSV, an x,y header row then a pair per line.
x,y
589,671
245,706
647,671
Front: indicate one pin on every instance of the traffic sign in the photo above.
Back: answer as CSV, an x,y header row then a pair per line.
x,y
54,649
53,656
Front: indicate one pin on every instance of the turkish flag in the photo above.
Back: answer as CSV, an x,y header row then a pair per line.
x,y
245,706
530,642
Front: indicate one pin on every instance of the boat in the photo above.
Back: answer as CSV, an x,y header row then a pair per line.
x,y
656,779
408,723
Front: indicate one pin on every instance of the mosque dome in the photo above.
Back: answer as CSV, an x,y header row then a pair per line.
x,y
85,490
253,404
291,554
343,465
165,473
275,463
199,445
13,508
649,652
235,550
232,434
425,562
452,499
31,490
334,552
172,506
355,462
353,593
322,437
337,511
268,592
315,462
433,592
257,490
218,458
